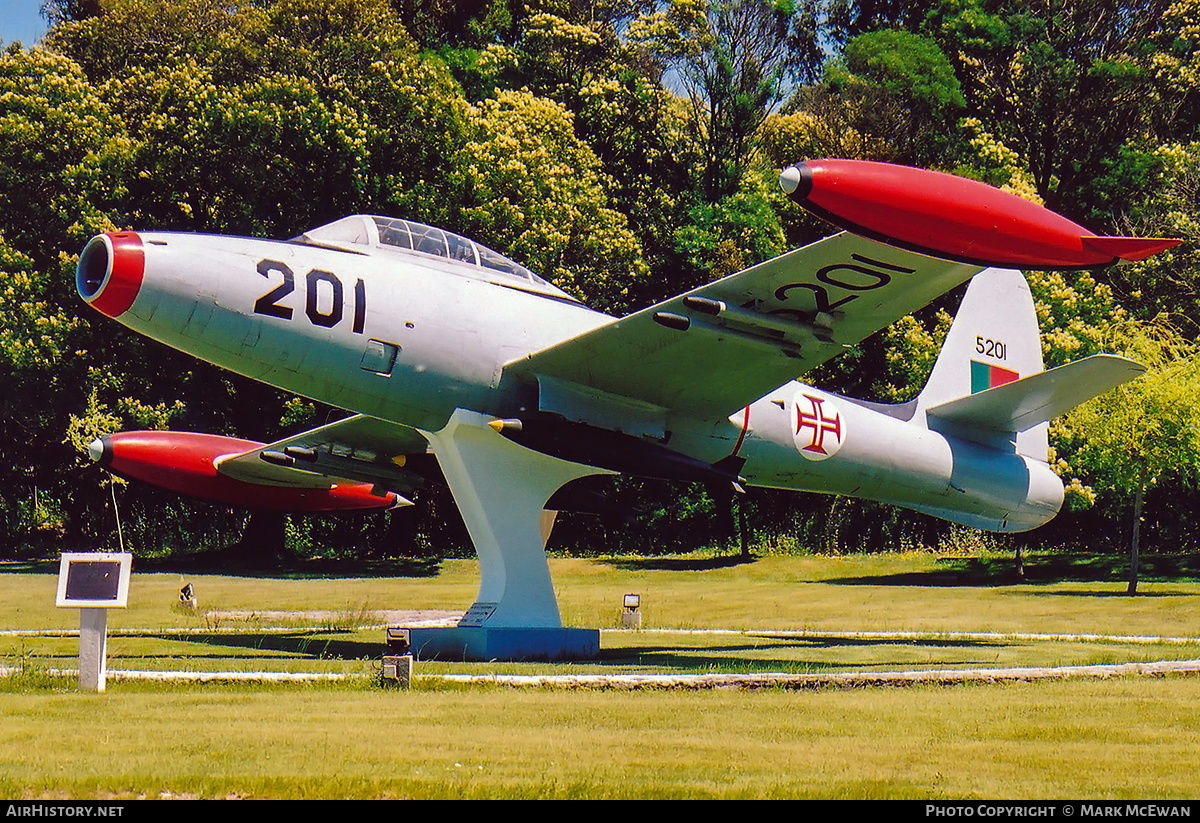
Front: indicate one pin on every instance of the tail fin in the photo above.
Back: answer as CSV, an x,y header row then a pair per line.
x,y
988,383
994,340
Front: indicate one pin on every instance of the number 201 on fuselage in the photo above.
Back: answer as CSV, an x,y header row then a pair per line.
x,y
325,313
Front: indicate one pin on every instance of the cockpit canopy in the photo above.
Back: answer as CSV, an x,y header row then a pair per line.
x,y
362,232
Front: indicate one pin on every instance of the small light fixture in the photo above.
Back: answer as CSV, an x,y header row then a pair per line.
x,y
631,616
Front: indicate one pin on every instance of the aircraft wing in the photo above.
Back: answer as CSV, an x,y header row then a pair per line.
x,y
358,449
723,345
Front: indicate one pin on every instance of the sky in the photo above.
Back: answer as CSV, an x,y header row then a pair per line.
x,y
20,20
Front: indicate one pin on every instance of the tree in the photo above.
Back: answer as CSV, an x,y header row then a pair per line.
x,y
1156,190
903,90
572,53
1140,433
63,160
438,23
538,193
736,62
67,11
1064,84
328,107
846,19
723,237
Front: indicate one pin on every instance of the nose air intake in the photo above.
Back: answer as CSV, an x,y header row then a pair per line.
x,y
110,270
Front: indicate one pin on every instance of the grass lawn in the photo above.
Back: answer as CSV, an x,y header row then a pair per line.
x,y
1120,738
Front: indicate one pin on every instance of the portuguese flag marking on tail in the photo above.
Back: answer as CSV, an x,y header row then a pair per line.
x,y
987,376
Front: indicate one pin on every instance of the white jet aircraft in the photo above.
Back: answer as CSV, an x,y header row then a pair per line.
x,y
441,346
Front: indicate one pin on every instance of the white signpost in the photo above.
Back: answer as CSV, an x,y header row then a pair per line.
x,y
93,582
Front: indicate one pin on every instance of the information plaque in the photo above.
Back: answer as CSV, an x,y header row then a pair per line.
x,y
93,580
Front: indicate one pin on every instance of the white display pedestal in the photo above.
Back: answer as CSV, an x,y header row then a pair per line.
x,y
93,582
515,615
93,649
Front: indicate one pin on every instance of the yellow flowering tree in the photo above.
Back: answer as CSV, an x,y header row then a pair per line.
x,y
537,192
63,160
1144,432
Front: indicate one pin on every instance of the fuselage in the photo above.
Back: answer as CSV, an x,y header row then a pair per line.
x,y
410,337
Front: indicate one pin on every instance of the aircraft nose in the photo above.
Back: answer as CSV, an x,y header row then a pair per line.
x,y
110,270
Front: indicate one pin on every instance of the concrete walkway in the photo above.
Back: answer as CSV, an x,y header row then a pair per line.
x,y
713,681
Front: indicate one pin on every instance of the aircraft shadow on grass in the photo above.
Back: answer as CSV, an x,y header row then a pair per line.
x,y
1042,570
661,656
691,659
680,564
320,644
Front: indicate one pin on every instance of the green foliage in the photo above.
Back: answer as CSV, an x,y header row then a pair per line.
x,y
130,34
1168,178
1148,429
626,150
736,61
1144,433
538,193
904,64
1064,85
986,158
63,154
201,140
453,23
575,56
34,333
894,88
912,349
724,237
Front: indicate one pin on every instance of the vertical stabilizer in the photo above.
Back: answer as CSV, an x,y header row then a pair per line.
x,y
994,340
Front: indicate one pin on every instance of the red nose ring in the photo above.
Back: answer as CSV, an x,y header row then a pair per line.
x,y
110,272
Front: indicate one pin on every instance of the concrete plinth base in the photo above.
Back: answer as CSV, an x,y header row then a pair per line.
x,y
482,644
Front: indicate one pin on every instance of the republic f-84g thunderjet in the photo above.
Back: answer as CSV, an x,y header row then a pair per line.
x,y
440,346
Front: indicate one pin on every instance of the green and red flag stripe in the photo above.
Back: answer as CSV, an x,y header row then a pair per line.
x,y
987,376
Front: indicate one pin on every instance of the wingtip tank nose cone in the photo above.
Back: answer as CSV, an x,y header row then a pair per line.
x,y
98,450
110,270
947,216
796,180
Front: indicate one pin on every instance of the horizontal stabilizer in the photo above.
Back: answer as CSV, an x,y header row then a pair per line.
x,y
1132,249
1038,398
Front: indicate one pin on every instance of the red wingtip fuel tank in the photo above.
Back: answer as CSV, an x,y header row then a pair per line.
x,y
952,217
110,271
183,462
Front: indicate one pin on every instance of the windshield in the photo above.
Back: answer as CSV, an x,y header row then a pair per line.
x,y
406,235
